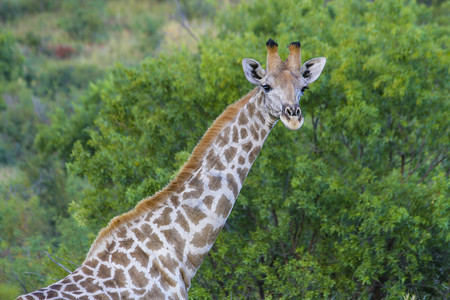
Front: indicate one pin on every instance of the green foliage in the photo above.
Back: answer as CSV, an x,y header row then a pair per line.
x,y
11,60
353,205
196,8
18,122
355,215
84,19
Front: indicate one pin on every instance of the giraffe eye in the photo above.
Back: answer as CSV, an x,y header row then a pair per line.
x,y
267,88
304,89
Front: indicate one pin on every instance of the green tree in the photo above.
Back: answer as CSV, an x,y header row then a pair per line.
x,y
359,203
355,205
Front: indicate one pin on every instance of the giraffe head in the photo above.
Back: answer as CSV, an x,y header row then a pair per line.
x,y
284,82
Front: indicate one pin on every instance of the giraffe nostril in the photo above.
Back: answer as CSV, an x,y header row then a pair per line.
x,y
288,111
298,112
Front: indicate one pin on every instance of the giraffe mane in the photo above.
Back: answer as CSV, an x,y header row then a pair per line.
x,y
183,175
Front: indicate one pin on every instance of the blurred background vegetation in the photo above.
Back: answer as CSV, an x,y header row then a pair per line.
x,y
102,101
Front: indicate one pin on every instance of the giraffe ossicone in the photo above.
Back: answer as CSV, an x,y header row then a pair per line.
x,y
154,251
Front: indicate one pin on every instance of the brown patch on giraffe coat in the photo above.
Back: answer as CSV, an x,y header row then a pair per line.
x,y
87,271
140,256
89,286
195,214
102,297
155,269
205,237
109,284
208,201
55,286
223,207
165,218
154,243
244,133
195,260
125,295
165,278
252,156
251,108
247,146
261,118
67,296
232,184
197,185
215,182
139,291
235,134
155,293
146,229
254,133
71,287
51,294
92,263
104,272
241,160
110,246
182,221
113,295
119,278
169,263
77,278
242,172
122,232
195,194
126,244
242,120
120,258
263,133
175,201
137,277
68,280
213,161
185,173
230,153
224,138
185,278
140,235
259,101
174,238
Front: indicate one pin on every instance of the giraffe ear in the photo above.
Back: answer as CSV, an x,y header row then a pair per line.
x,y
312,68
253,70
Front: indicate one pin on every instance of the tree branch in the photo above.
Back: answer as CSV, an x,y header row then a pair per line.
x,y
60,265
433,164
184,23
344,141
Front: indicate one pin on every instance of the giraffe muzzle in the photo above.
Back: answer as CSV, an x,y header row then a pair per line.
x,y
291,116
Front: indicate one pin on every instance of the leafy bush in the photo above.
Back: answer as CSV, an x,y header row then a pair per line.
x,y
62,77
11,60
356,207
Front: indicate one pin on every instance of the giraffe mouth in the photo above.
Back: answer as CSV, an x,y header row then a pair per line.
x,y
291,116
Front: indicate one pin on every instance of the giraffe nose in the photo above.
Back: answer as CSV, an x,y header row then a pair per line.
x,y
291,111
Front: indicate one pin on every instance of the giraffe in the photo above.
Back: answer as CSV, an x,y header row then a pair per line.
x,y
154,250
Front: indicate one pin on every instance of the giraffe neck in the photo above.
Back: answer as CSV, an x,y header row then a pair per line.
x,y
155,250
208,198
